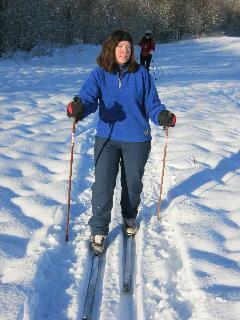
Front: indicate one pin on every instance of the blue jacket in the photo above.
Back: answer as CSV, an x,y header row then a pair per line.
x,y
125,103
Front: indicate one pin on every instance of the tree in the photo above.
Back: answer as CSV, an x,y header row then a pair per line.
x,y
65,22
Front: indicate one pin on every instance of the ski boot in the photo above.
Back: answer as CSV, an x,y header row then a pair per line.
x,y
130,226
98,243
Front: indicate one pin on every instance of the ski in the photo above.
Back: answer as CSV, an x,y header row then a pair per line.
x,y
88,305
128,264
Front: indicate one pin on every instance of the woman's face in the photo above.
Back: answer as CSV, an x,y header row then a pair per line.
x,y
123,52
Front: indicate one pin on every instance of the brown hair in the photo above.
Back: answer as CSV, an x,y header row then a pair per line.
x,y
107,59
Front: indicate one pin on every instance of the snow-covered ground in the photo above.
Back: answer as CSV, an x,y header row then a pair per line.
x,y
188,265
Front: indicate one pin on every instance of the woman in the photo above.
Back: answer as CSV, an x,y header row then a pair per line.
x,y
126,97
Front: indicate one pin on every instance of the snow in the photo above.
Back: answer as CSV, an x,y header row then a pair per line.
x,y
187,265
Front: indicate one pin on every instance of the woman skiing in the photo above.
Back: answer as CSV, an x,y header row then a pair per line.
x,y
126,98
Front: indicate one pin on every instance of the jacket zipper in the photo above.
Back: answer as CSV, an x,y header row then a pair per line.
x,y
119,82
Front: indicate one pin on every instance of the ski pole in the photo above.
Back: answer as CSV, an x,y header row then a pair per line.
x,y
154,70
163,169
70,178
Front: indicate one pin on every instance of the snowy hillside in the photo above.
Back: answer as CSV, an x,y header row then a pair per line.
x,y
188,265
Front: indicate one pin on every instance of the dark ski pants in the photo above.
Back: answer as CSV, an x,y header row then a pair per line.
x,y
108,154
145,61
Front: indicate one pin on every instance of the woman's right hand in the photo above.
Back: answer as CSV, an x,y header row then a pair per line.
x,y
75,109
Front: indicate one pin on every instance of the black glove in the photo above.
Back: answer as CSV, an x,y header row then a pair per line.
x,y
167,118
75,109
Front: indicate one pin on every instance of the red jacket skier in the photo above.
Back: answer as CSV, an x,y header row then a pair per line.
x,y
147,46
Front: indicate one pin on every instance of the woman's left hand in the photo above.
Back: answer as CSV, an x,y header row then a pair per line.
x,y
167,119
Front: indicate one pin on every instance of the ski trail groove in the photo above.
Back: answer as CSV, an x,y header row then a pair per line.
x,y
68,260
96,308
127,307
167,282
127,302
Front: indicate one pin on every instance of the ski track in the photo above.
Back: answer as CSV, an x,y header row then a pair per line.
x,y
128,304
62,302
204,176
119,305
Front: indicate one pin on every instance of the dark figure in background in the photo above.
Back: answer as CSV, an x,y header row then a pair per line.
x,y
147,46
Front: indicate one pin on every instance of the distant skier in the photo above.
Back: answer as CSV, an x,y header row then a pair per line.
x,y
125,96
147,46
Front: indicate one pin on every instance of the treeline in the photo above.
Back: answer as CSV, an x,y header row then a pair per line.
x,y
24,23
